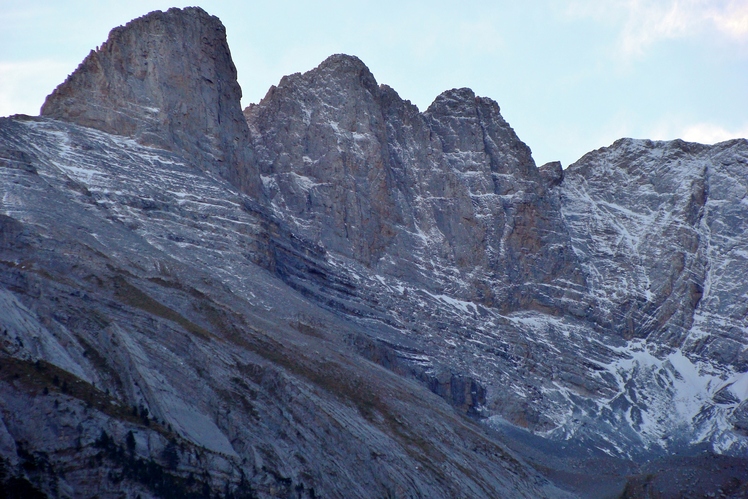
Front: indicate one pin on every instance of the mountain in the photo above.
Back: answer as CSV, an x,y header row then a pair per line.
x,y
332,293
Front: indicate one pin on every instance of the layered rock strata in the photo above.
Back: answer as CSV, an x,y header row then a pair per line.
x,y
166,79
337,294
450,195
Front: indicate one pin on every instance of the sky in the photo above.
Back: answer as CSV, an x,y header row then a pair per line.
x,y
569,76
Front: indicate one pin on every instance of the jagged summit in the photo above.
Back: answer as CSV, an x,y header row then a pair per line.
x,y
166,79
343,63
453,98
477,124
380,301
344,67
354,166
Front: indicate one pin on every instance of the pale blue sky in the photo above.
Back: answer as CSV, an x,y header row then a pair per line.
x,y
569,76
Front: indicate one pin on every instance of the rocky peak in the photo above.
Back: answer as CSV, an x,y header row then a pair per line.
x,y
321,144
457,102
469,123
552,173
343,66
167,80
361,170
601,307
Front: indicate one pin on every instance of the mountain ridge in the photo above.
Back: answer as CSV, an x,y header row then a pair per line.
x,y
344,286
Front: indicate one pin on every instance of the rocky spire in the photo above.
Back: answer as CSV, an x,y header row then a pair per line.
x,y
167,80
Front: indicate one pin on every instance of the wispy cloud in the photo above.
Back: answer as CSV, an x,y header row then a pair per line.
x,y
708,133
732,19
641,23
704,132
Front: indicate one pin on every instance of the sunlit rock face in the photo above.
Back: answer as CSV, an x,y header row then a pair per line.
x,y
336,294
167,80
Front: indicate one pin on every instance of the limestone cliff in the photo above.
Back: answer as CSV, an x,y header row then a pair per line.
x,y
166,79
449,195
336,294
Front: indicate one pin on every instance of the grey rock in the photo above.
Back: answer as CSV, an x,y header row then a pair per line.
x,y
352,165
137,286
346,296
166,79
552,173
725,396
740,417
661,247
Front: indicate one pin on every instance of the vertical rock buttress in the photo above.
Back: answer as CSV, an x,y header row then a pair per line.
x,y
167,80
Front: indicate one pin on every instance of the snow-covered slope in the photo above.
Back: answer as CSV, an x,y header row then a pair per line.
x,y
660,231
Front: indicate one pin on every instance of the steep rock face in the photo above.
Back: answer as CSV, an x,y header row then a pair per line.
x,y
609,282
662,247
647,264
131,303
450,195
719,327
663,255
166,79
323,147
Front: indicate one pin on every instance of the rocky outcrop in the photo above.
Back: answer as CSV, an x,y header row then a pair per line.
x,y
354,166
552,173
167,80
321,145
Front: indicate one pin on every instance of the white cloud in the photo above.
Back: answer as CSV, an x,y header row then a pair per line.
x,y
732,20
704,133
708,133
642,23
25,84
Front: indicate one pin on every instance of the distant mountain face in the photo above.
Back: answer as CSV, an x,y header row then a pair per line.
x,y
335,294
167,80
449,197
